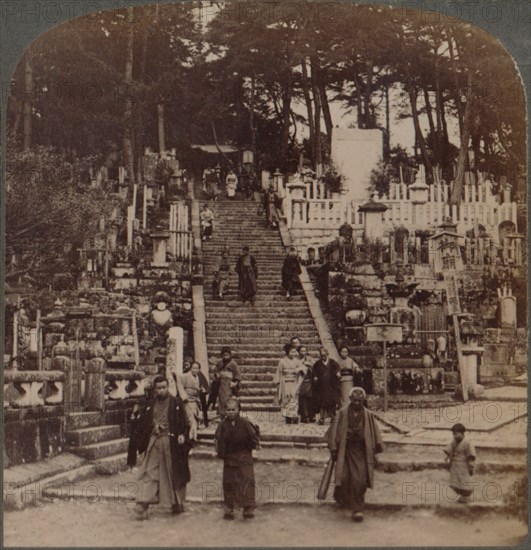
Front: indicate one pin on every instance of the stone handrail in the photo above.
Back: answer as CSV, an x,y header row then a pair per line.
x,y
124,384
41,388
33,388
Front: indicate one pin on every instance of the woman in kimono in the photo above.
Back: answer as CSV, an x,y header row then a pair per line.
x,y
191,383
349,372
290,372
354,440
461,456
236,437
223,274
227,374
232,184
207,222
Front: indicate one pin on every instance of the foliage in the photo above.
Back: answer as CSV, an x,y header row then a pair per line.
x,y
388,170
333,177
242,75
517,500
50,211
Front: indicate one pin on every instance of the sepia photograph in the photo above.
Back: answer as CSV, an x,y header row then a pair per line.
x,y
265,274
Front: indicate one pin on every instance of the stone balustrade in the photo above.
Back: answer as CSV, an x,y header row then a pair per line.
x,y
33,388
121,384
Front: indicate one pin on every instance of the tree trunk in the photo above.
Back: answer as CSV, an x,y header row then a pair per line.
x,y
429,112
28,71
318,162
367,97
418,131
128,111
387,138
160,125
439,113
309,106
457,188
286,119
326,111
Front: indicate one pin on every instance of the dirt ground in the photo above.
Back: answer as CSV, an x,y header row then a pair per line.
x,y
81,523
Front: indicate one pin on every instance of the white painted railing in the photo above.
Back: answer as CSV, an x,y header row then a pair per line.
x,y
478,206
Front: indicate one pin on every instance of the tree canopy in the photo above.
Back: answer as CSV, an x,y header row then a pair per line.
x,y
155,75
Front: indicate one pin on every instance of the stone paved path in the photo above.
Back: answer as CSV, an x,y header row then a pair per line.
x,y
73,524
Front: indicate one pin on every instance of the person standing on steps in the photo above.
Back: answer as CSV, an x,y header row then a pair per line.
x,y
461,458
289,375
168,430
227,373
232,183
222,275
291,269
207,222
354,440
248,273
326,377
236,437
307,407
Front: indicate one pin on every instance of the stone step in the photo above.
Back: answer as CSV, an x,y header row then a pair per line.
x,y
95,434
84,419
242,356
267,304
265,377
252,384
263,330
101,450
256,399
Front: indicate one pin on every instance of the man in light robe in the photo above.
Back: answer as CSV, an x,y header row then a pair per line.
x,y
354,440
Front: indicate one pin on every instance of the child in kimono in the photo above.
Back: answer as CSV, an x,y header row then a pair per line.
x,y
461,456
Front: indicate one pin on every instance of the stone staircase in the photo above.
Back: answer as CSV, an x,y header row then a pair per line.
x,y
88,436
256,334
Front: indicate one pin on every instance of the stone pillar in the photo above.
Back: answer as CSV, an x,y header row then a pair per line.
x,y
174,361
130,222
94,384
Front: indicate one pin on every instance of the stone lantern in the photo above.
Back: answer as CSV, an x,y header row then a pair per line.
x,y
373,215
418,193
247,156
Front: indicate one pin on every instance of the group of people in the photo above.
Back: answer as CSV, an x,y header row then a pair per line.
x,y
247,270
307,387
168,429
213,178
166,433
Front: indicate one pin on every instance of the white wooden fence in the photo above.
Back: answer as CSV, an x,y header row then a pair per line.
x,y
478,206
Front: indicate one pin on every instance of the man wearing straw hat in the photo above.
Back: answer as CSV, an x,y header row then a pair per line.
x,y
354,439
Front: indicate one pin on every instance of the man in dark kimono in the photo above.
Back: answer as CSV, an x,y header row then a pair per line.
x,y
168,429
248,273
236,437
354,440
291,270
326,380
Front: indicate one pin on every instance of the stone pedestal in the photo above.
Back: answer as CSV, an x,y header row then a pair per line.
x,y
94,384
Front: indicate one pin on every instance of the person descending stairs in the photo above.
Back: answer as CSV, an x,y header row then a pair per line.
x,y
255,333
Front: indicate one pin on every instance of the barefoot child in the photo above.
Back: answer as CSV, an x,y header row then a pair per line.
x,y
461,456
